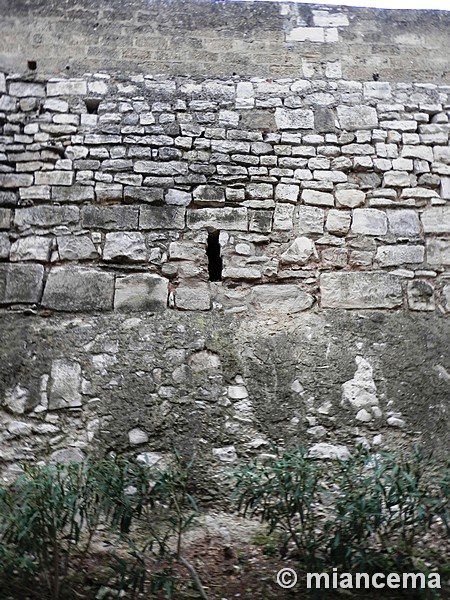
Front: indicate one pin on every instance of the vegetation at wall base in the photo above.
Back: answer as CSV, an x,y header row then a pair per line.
x,y
114,528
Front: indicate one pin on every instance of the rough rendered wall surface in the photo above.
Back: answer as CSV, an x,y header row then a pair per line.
x,y
330,200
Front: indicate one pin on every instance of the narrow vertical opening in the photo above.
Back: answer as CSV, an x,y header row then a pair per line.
x,y
214,258
92,105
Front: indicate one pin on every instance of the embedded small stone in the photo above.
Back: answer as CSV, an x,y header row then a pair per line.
x,y
137,436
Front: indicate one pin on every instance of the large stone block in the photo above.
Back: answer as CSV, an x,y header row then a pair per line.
x,y
67,87
46,216
298,118
281,298
76,247
403,223
23,89
110,217
438,253
162,217
310,219
193,297
436,219
318,198
78,289
20,284
141,292
65,384
232,219
369,221
391,256
33,247
127,246
360,290
54,178
352,118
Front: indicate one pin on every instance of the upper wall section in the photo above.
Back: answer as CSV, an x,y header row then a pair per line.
x,y
197,38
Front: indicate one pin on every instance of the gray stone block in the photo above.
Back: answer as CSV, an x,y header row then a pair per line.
x,y
46,216
5,218
298,118
8,198
391,256
141,292
436,219
360,290
162,217
74,193
438,253
193,297
420,295
20,284
65,384
352,118
76,247
33,247
403,223
78,289
369,221
110,217
127,246
232,219
22,89
281,298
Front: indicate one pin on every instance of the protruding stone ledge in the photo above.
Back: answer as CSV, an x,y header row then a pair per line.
x,y
78,289
360,290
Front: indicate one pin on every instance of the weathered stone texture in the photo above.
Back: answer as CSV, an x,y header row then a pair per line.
x,y
78,289
360,290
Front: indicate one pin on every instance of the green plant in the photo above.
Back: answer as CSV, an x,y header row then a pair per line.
x,y
285,492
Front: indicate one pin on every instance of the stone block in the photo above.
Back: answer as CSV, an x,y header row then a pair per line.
x,y
350,198
259,191
165,169
33,247
403,223
5,218
360,290
20,284
445,188
299,252
397,179
228,219
310,219
283,217
23,89
285,192
209,195
445,296
420,295
281,298
260,221
74,193
420,152
46,216
2,83
338,222
127,246
142,194
369,221
5,245
162,217
178,197
193,297
15,180
67,87
110,217
65,384
298,118
317,198
438,253
141,292
78,289
306,34
391,256
436,219
76,247
352,118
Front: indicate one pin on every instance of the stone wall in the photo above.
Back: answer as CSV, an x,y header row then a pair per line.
x,y
220,264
